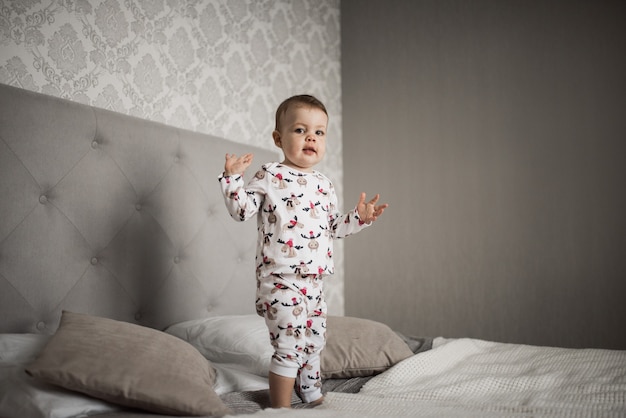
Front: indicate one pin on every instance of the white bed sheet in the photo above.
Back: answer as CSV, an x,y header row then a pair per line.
x,y
475,378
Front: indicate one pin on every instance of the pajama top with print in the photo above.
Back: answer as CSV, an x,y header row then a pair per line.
x,y
297,218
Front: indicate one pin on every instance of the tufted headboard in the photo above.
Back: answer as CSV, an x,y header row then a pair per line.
x,y
110,215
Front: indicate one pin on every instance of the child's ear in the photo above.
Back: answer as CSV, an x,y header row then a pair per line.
x,y
276,136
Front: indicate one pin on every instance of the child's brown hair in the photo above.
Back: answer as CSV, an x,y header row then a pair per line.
x,y
299,100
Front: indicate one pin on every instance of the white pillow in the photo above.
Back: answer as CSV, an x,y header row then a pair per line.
x,y
24,396
233,379
21,347
240,341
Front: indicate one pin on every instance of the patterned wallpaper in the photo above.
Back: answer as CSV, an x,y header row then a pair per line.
x,y
213,66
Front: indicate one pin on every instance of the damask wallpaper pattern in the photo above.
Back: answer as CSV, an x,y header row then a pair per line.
x,y
214,66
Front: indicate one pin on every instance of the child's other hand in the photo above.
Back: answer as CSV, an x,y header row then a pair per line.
x,y
237,165
369,212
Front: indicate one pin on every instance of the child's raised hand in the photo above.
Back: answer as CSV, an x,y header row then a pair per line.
x,y
237,165
369,212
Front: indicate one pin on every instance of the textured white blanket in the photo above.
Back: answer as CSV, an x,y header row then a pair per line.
x,y
475,378
468,377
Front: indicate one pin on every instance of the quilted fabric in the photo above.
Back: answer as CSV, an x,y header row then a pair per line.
x,y
475,378
114,216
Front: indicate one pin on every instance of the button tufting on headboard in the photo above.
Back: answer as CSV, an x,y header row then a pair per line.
x,y
107,214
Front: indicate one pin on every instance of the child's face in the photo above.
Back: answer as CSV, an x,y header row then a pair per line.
x,y
302,137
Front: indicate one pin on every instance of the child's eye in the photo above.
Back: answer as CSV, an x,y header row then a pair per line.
x,y
319,133
299,130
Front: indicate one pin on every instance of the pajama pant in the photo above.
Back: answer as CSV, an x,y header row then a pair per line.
x,y
295,314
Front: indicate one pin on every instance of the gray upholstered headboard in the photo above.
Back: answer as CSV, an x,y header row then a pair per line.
x,y
115,216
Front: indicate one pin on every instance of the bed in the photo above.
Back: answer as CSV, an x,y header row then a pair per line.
x,y
127,291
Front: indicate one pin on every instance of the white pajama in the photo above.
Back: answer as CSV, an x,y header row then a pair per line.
x,y
297,221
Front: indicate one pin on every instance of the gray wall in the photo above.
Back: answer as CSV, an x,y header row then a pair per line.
x,y
496,131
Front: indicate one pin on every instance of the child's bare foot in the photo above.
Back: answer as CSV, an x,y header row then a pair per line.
x,y
316,402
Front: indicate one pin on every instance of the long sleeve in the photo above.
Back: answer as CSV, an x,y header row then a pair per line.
x,y
344,224
241,203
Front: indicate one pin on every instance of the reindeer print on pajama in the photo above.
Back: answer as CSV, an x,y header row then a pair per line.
x,y
297,221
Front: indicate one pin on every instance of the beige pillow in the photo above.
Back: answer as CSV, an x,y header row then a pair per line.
x,y
128,365
360,347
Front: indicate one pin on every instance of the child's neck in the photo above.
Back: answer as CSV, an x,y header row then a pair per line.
x,y
295,167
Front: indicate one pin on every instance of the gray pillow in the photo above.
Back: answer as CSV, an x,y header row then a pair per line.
x,y
360,347
129,365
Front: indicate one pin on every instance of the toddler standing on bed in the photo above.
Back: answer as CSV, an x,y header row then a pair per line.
x,y
297,220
